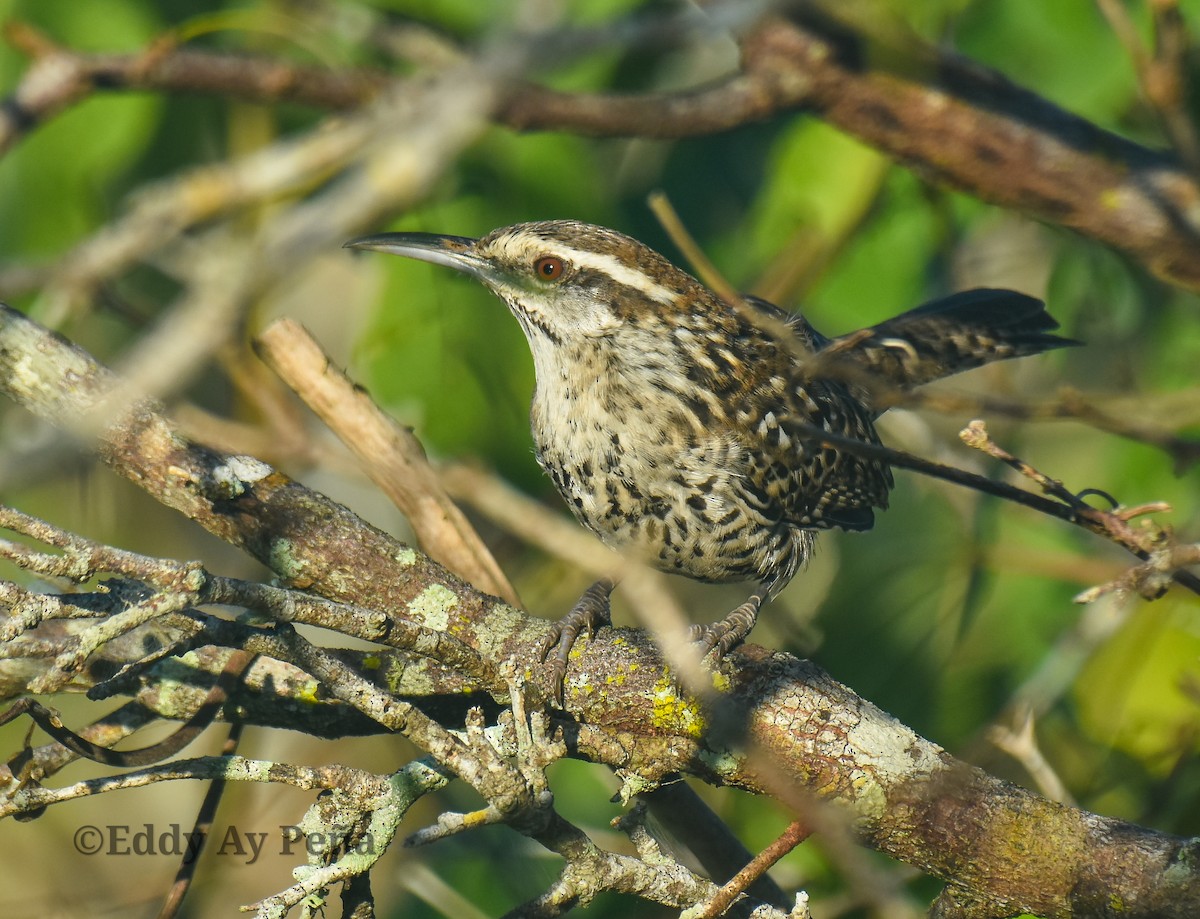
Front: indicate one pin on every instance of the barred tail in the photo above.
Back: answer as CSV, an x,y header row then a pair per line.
x,y
952,334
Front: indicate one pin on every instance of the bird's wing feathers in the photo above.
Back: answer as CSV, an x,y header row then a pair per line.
x,y
810,484
952,334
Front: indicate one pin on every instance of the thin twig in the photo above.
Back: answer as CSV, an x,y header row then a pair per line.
x,y
1103,523
795,834
1111,525
204,768
201,828
706,271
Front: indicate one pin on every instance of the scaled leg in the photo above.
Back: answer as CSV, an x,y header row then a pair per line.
x,y
592,611
728,633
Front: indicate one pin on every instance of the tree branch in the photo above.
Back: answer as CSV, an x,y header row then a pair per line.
x,y
909,798
909,100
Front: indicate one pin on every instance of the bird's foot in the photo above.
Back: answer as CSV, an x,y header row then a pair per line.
x,y
723,636
592,611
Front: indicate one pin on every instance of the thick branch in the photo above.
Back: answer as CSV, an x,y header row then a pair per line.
x,y
1013,148
302,536
908,797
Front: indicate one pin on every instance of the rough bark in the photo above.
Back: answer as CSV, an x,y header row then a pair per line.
x,y
802,732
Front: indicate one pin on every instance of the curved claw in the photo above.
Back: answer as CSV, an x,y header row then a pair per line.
x,y
592,611
723,636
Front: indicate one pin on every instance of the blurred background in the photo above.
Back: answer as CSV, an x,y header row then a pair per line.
x,y
955,614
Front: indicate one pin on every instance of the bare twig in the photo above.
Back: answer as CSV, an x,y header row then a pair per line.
x,y
705,270
795,834
1071,509
1112,525
60,77
204,768
201,828
49,721
1151,579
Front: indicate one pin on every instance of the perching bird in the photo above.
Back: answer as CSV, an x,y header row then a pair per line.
x,y
678,426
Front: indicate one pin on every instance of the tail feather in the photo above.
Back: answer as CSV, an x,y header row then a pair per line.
x,y
953,334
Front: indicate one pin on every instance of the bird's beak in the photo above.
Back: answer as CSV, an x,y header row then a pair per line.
x,y
457,252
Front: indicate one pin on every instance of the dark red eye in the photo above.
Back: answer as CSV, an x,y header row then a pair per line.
x,y
549,267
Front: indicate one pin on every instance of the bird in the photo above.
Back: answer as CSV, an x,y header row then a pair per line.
x,y
681,427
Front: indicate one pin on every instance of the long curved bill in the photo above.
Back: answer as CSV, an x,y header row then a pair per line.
x,y
457,252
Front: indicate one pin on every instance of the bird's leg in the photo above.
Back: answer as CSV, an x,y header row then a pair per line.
x,y
728,633
592,611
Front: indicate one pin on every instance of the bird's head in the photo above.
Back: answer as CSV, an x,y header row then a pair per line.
x,y
563,280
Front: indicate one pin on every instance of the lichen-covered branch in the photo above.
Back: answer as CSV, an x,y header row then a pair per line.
x,y
905,795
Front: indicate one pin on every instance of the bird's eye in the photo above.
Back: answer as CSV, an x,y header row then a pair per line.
x,y
549,267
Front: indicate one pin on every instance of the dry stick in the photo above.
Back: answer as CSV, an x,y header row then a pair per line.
x,y
705,270
795,834
774,327
390,453
200,832
879,888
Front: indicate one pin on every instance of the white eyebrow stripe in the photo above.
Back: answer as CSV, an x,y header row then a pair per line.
x,y
615,269
899,344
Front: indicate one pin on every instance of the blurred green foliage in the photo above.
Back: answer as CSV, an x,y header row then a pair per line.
x,y
953,603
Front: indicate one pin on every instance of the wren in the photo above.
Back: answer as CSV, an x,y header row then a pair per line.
x,y
679,427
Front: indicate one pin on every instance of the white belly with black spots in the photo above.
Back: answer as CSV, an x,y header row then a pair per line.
x,y
653,485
